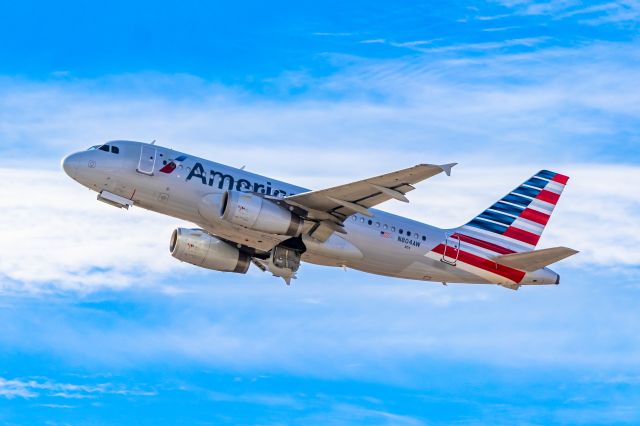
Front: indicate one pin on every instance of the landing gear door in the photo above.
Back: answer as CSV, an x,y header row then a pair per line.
x,y
451,249
147,160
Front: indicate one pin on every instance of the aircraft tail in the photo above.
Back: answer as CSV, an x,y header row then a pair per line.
x,y
515,223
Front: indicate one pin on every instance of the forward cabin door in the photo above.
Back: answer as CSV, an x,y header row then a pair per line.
x,y
147,159
451,249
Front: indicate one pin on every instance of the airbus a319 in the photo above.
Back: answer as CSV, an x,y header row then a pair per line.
x,y
244,218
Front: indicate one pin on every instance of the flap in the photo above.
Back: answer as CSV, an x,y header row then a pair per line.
x,y
536,259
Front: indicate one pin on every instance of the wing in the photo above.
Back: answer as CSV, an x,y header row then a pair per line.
x,y
333,205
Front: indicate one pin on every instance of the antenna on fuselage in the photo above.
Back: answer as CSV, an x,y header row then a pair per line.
x,y
242,168
153,142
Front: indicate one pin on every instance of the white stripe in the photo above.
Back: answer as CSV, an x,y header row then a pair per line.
x,y
522,195
513,204
543,178
532,187
478,251
554,187
497,239
542,206
492,221
527,225
500,212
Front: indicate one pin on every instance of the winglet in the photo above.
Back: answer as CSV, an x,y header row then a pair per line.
x,y
447,168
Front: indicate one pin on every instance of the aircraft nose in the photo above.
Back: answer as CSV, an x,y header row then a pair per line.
x,y
70,165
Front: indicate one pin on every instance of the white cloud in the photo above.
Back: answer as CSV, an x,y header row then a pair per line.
x,y
594,13
61,237
555,108
36,387
569,103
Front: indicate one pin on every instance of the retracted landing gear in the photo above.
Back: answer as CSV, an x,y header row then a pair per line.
x,y
285,259
284,263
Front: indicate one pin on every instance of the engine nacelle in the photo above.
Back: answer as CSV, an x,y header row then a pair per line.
x,y
198,248
260,214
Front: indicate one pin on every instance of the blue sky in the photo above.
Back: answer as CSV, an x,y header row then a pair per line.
x,y
99,325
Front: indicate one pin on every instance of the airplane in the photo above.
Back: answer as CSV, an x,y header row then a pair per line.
x,y
243,218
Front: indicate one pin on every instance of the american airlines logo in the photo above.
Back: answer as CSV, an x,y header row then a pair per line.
x,y
227,181
173,164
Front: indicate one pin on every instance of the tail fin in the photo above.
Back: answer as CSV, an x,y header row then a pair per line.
x,y
515,223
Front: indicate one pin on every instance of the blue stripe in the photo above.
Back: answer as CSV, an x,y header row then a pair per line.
x,y
497,217
529,192
516,199
507,208
181,158
545,174
538,183
488,226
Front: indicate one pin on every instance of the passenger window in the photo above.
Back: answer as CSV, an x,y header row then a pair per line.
x,y
369,221
401,231
393,229
104,148
385,227
355,219
424,238
362,220
408,233
115,150
377,224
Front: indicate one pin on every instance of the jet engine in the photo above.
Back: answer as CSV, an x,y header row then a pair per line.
x,y
198,248
260,214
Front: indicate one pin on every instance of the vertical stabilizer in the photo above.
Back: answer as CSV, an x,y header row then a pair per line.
x,y
515,223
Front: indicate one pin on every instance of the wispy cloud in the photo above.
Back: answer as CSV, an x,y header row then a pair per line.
x,y
432,46
333,34
36,387
596,13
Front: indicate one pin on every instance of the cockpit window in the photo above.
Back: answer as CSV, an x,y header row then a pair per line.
x,y
106,148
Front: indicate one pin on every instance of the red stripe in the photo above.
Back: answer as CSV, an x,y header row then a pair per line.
x,y
168,168
488,265
484,244
548,196
535,216
560,179
522,235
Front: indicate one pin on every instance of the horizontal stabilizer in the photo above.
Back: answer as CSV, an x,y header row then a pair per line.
x,y
536,259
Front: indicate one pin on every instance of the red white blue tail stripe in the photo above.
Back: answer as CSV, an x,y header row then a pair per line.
x,y
519,218
512,225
